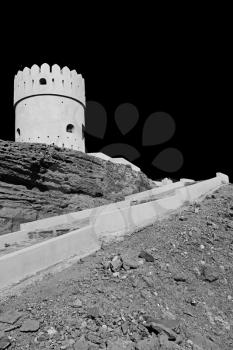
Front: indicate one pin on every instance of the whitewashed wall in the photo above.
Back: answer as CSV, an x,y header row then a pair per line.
x,y
43,111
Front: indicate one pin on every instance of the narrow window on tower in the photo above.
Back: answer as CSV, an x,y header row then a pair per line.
x,y
70,128
83,131
18,132
43,81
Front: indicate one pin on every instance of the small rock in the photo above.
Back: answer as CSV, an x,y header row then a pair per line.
x,y
116,274
164,342
183,218
93,312
81,344
41,337
10,317
147,344
200,342
148,281
209,273
30,326
125,327
120,345
209,223
67,344
145,294
148,257
106,264
93,346
191,301
116,263
83,324
94,338
130,264
51,331
180,277
77,303
4,341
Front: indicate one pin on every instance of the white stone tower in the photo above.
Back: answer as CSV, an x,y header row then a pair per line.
x,y
50,106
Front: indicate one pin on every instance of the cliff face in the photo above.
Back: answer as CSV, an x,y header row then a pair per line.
x,y
38,181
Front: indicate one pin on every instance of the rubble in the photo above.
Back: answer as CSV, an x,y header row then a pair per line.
x,y
116,300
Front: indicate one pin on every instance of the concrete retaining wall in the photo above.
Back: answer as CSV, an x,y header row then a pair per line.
x,y
26,262
197,191
155,191
109,224
67,218
83,214
106,223
13,237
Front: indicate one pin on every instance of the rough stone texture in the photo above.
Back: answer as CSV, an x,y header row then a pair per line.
x,y
10,317
30,326
38,181
114,313
4,341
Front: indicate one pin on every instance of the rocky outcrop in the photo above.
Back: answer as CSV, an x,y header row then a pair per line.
x,y
38,181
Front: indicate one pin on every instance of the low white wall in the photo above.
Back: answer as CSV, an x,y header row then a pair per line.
x,y
110,224
187,181
26,262
13,237
69,217
155,191
106,223
87,213
200,189
224,178
100,155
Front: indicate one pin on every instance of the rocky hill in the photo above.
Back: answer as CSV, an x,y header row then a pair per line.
x,y
38,181
166,287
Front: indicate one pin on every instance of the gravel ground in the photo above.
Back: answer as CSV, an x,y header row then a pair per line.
x,y
169,286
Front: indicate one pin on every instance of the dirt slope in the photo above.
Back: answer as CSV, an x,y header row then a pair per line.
x,y
177,296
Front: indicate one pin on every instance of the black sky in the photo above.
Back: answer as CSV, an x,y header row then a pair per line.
x,y
186,75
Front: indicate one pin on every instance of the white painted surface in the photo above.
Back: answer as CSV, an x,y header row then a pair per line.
x,y
108,208
70,217
115,160
26,262
13,237
100,155
166,181
106,224
198,190
154,191
123,221
158,183
224,178
44,119
186,181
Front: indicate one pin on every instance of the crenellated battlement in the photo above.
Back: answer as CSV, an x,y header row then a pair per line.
x,y
45,81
